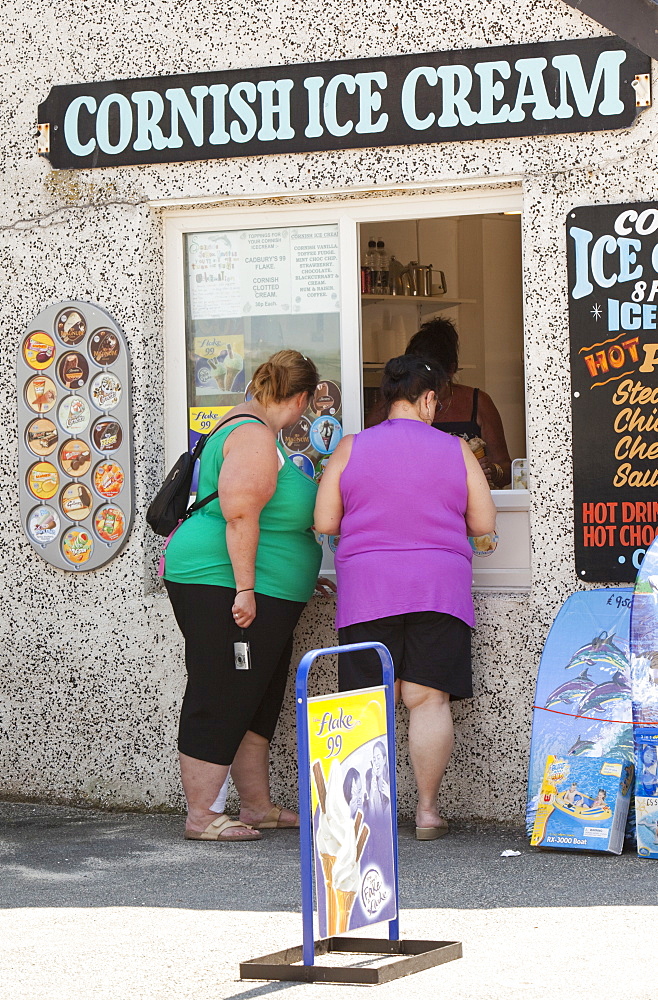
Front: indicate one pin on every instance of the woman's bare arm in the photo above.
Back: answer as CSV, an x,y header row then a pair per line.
x,y
329,503
494,435
247,481
480,508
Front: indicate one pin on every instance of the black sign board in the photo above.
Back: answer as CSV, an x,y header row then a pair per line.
x,y
547,88
634,20
613,312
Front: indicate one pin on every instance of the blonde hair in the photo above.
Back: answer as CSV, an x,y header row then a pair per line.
x,y
283,375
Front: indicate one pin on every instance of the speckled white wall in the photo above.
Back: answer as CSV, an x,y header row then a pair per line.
x,y
90,665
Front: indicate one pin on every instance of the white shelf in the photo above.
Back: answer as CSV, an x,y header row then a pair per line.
x,y
418,300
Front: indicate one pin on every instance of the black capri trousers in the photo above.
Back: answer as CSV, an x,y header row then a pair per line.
x,y
429,648
221,703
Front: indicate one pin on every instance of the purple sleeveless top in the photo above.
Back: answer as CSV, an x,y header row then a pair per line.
x,y
403,544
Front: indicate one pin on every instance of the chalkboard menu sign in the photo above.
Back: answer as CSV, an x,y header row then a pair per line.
x,y
613,312
75,436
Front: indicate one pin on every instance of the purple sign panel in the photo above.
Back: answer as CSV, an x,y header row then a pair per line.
x,y
353,825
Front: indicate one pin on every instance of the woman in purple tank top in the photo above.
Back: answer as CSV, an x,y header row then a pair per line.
x,y
404,497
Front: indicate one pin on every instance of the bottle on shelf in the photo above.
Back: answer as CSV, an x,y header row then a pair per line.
x,y
369,268
395,271
381,282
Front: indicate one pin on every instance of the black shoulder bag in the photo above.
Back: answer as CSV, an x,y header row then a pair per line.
x,y
169,506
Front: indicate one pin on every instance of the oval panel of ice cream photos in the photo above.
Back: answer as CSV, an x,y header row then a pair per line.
x,y
72,363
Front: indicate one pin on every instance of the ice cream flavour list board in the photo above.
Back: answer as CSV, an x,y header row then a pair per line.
x,y
263,272
612,255
75,436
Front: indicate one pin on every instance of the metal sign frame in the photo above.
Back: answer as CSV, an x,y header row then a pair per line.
x,y
417,955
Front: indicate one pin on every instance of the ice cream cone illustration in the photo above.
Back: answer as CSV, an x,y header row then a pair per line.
x,y
345,902
340,841
328,862
39,387
327,845
234,365
220,377
218,368
346,873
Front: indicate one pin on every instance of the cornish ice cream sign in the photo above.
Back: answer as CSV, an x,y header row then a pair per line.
x,y
550,88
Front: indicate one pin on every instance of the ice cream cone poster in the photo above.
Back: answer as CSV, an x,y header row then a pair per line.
x,y
225,358
353,825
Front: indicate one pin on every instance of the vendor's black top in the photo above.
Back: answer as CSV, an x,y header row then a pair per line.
x,y
466,429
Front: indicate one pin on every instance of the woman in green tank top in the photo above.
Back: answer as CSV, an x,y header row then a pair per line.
x,y
241,569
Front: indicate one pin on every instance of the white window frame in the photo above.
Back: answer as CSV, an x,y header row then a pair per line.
x,y
348,215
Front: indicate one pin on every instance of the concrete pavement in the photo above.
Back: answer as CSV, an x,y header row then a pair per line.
x,y
119,906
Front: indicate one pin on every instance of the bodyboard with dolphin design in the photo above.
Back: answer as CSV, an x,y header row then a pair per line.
x,y
582,702
644,681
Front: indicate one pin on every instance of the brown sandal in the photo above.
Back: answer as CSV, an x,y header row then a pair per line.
x,y
431,832
215,831
272,821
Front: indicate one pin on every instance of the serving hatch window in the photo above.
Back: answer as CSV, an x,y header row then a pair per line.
x,y
248,294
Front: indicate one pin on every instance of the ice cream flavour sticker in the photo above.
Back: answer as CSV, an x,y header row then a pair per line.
x,y
39,350
106,390
43,524
77,546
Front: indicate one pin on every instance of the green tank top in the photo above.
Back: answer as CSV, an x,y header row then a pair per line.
x,y
288,557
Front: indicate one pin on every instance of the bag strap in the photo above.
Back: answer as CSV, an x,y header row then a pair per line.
x,y
474,414
198,448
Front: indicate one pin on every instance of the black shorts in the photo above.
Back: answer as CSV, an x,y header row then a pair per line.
x,y
428,648
221,703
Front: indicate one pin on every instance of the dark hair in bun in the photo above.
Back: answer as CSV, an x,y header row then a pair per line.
x,y
408,377
283,375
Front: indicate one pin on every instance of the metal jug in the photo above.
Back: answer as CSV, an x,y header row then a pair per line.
x,y
417,279
441,287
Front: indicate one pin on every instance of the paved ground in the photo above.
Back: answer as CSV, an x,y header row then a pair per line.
x,y
97,905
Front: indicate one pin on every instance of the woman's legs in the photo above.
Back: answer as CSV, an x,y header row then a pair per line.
x,y
431,738
201,784
251,773
227,713
251,766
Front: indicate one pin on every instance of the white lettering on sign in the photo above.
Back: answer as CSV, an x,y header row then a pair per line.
x,y
429,97
454,107
610,259
150,108
72,124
